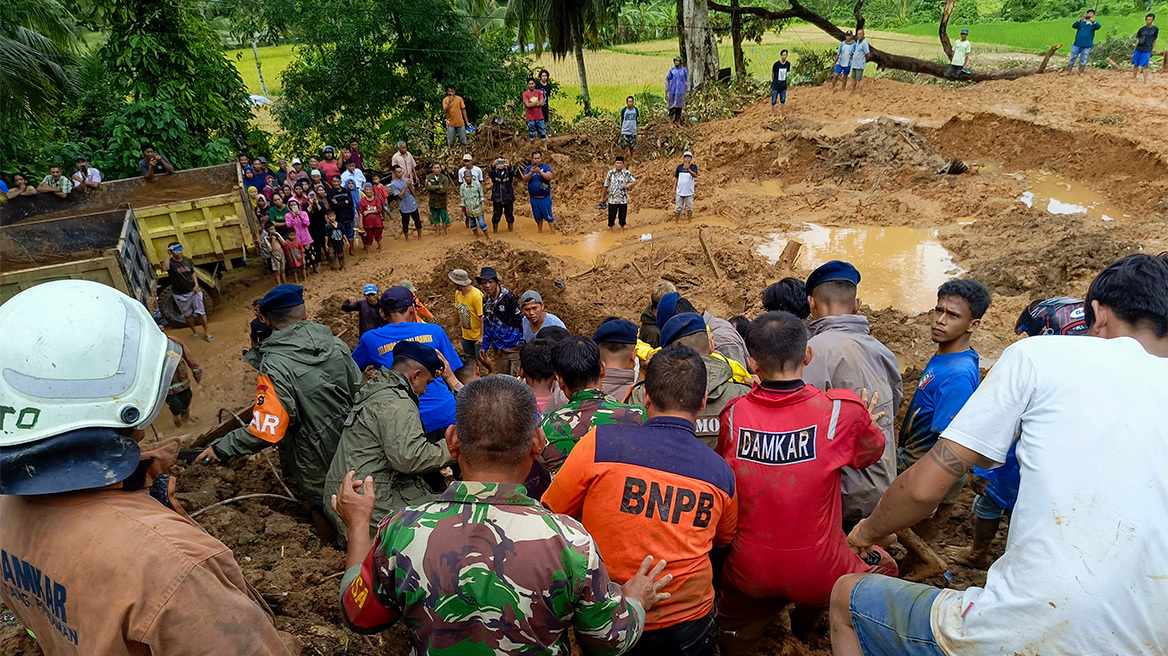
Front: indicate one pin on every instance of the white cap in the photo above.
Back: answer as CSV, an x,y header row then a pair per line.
x,y
296,160
688,154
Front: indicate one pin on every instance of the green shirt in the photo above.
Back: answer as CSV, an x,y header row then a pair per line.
x,y
584,411
62,183
472,197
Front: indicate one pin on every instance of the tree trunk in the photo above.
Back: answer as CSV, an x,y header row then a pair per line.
x,y
255,51
943,30
858,13
736,39
681,35
702,55
879,57
583,77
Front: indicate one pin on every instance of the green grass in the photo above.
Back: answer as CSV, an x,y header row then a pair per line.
x,y
1034,36
273,59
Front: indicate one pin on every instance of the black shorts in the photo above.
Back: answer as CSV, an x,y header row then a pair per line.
x,y
617,211
179,402
693,638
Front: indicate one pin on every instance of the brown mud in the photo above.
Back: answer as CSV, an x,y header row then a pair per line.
x,y
762,181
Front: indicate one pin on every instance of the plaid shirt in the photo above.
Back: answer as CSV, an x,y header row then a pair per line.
x,y
502,321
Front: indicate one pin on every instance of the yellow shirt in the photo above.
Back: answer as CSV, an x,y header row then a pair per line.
x,y
470,313
741,374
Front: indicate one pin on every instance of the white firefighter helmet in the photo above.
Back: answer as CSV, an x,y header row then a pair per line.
x,y
81,367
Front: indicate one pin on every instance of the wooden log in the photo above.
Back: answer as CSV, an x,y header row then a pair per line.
x,y
789,255
237,419
931,563
713,263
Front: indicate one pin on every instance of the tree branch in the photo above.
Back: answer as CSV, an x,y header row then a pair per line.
x,y
858,13
943,32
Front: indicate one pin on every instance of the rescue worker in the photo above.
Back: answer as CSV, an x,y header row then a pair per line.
x,y
485,568
650,333
384,438
617,339
306,385
787,428
690,330
848,356
728,344
655,489
578,371
96,556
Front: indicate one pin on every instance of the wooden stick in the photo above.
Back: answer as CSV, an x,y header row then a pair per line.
x,y
275,473
713,263
241,498
638,268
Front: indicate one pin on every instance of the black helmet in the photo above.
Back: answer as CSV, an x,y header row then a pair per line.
x,y
1053,316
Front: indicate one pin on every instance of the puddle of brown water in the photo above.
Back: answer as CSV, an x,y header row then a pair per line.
x,y
899,267
1058,195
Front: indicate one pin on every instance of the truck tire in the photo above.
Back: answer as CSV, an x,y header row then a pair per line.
x,y
171,313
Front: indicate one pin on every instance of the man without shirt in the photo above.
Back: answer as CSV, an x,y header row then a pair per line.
x,y
1083,567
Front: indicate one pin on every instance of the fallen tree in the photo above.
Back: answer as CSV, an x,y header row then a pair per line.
x,y
881,58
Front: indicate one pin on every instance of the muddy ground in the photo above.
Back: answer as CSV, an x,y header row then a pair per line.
x,y
872,194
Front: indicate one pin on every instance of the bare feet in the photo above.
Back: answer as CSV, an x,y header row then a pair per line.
x,y
969,557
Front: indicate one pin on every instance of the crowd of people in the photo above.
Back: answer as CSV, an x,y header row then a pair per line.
x,y
668,487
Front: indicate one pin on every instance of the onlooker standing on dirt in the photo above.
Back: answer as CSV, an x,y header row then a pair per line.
x,y
1084,533
470,194
628,131
950,377
502,320
150,578
403,188
399,310
543,83
861,53
1145,44
1085,29
502,193
305,389
329,166
369,207
615,480
959,63
297,219
184,287
848,356
369,314
86,177
686,174
468,302
342,203
276,252
535,317
178,395
538,177
533,100
786,427
55,183
456,118
335,238
615,194
676,86
355,154
405,159
547,562
353,173
294,255
438,185
153,163
469,165
779,72
843,61
650,333
384,438
617,339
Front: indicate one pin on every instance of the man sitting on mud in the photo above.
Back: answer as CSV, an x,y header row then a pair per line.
x,y
485,568
384,438
1084,566
787,429
848,356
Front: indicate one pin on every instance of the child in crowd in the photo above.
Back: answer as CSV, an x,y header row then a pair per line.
x,y
294,252
536,369
297,220
336,239
276,252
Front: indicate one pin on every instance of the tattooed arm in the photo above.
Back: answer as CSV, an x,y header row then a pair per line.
x,y
915,493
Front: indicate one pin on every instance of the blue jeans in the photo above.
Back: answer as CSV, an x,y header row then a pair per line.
x,y
891,617
479,222
778,95
1081,54
539,126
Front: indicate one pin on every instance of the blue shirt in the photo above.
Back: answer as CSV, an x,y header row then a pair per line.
x,y
537,187
436,404
1004,480
844,53
549,320
860,50
1085,33
3,187
946,384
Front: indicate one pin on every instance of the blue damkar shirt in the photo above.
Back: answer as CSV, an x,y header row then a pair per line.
x,y
946,384
436,404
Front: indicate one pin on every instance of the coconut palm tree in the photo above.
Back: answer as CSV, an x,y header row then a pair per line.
x,y
38,41
562,26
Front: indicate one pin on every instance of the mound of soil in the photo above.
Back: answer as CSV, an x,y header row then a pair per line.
x,y
885,142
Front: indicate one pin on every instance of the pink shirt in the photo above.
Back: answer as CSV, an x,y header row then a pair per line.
x,y
299,223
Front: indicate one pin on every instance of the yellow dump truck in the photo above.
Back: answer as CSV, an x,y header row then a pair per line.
x,y
207,210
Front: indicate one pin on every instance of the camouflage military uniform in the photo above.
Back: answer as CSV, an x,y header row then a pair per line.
x,y
587,408
487,569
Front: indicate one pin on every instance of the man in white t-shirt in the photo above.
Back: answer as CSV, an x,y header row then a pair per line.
x,y
1085,569
686,172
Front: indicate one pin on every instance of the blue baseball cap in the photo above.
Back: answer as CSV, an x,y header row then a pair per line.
x,y
833,270
282,297
420,353
686,323
666,307
616,331
369,289
396,299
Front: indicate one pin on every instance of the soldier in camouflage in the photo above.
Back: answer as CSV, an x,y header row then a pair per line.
x,y
384,437
579,371
485,568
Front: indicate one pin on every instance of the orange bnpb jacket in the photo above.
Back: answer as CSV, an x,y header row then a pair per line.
x,y
653,489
